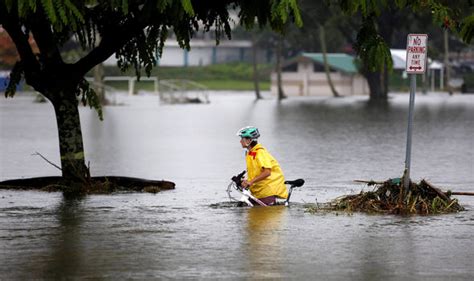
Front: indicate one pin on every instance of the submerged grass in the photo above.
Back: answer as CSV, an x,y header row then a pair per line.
x,y
389,197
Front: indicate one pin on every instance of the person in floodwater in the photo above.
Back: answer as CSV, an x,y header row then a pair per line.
x,y
265,177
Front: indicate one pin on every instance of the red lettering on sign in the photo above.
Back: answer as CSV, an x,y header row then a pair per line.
x,y
420,50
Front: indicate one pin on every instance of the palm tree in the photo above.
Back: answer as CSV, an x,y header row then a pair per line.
x,y
322,37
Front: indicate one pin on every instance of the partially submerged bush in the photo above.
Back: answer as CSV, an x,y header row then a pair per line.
x,y
390,197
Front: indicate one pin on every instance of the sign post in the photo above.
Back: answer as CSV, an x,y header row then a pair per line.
x,y
416,64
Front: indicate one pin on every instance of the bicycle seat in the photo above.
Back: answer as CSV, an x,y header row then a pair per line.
x,y
295,183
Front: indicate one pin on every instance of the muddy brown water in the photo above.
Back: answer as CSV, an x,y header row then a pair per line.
x,y
193,233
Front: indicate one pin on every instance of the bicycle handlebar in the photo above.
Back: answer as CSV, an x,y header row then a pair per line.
x,y
238,179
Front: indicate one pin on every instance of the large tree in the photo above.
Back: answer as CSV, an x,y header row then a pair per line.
x,y
135,31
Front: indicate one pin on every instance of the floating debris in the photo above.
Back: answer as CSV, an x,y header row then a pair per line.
x,y
389,197
179,91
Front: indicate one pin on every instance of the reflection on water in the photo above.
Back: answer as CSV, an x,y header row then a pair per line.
x,y
66,255
193,233
264,228
377,254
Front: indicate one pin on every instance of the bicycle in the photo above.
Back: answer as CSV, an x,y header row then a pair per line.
x,y
246,195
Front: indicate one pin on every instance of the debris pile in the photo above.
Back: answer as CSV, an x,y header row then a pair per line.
x,y
391,198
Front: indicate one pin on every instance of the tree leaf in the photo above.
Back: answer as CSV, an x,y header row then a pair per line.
x,y
49,11
188,7
89,97
125,6
467,29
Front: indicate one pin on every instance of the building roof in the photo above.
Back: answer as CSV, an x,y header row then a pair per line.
x,y
338,61
345,63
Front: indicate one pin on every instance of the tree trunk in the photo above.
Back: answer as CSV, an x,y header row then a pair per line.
x,y
71,147
378,81
322,38
99,83
377,93
385,80
255,70
446,63
424,89
281,93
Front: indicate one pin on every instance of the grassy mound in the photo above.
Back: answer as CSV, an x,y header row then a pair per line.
x,y
389,197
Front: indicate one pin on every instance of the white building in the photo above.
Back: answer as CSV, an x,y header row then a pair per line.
x,y
205,52
304,75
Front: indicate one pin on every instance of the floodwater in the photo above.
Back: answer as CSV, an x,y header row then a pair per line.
x,y
193,233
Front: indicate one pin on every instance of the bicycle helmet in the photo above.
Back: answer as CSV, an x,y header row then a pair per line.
x,y
249,132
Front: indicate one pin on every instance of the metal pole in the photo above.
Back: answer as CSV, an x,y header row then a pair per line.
x,y
406,179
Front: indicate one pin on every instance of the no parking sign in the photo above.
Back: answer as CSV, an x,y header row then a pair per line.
x,y
416,53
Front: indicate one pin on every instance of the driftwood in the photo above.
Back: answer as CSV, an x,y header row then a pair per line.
x,y
370,182
98,184
462,193
437,190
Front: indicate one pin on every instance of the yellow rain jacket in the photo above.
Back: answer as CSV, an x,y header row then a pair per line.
x,y
274,185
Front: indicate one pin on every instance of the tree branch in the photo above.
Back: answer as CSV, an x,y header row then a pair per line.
x,y
51,163
12,25
42,32
109,44
115,36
